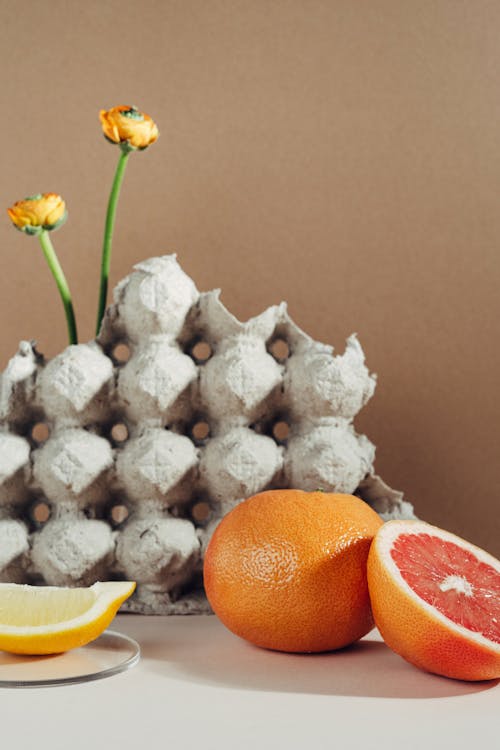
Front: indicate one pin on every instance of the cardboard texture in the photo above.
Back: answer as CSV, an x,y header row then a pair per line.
x,y
119,457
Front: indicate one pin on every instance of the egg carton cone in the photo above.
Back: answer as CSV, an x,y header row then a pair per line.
x,y
119,457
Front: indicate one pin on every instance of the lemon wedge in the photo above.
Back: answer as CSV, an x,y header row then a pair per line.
x,y
50,620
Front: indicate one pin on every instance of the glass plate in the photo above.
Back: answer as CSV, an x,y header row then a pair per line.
x,y
109,654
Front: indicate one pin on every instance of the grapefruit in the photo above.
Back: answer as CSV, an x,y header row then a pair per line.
x,y
436,600
286,570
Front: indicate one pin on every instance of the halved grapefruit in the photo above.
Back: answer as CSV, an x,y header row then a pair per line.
x,y
436,600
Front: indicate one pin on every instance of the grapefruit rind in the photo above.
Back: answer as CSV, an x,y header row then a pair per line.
x,y
62,635
414,628
286,570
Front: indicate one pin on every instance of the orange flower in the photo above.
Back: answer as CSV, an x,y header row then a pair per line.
x,y
38,212
128,127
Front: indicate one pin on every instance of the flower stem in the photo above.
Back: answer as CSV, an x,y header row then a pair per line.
x,y
108,235
62,284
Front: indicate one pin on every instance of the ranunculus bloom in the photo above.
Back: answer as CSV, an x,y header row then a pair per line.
x,y
126,125
42,211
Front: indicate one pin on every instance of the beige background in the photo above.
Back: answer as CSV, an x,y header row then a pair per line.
x,y
342,155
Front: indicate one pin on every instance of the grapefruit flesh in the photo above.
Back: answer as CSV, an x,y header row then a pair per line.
x,y
436,600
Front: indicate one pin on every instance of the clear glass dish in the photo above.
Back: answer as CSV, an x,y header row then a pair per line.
x,y
109,654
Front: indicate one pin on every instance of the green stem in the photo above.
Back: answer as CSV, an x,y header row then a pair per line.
x,y
62,284
108,236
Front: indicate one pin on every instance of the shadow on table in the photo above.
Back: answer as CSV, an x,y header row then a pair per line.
x,y
365,669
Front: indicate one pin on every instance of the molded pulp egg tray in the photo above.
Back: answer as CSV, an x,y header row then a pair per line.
x,y
119,457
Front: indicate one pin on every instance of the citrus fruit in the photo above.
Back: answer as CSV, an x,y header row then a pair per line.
x,y
436,600
50,620
286,570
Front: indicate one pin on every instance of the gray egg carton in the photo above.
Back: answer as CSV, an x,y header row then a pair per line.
x,y
119,457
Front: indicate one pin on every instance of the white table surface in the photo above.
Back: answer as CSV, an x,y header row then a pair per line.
x,y
198,686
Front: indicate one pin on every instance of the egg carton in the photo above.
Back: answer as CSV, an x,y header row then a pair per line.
x,y
119,457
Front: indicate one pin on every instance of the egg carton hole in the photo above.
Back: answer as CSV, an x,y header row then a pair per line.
x,y
120,353
279,348
199,431
39,513
278,427
40,433
199,350
119,433
118,513
201,512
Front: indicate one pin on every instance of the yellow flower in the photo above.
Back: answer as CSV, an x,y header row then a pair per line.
x,y
128,127
42,211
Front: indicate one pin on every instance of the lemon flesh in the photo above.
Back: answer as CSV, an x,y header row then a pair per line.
x,y
50,620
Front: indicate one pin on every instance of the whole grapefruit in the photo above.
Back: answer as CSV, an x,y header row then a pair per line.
x,y
286,570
